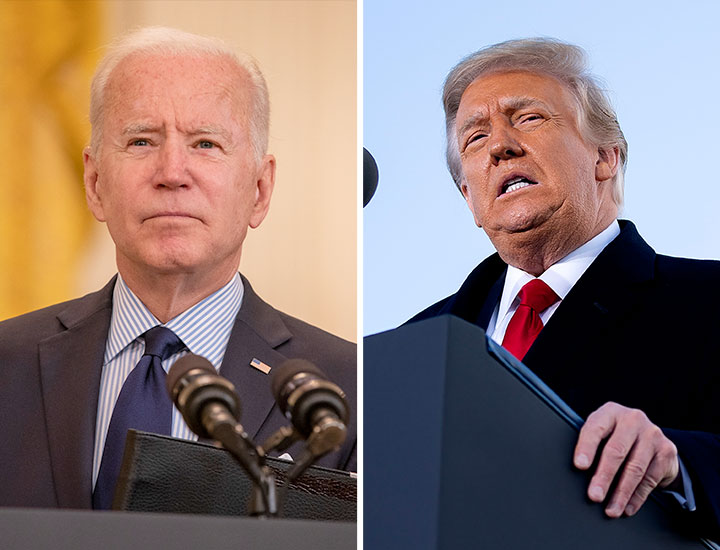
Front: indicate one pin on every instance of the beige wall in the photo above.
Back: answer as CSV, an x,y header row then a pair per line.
x,y
303,258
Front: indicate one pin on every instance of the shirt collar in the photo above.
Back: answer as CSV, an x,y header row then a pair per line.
x,y
563,274
210,319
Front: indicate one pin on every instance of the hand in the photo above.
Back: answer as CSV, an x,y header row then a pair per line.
x,y
634,445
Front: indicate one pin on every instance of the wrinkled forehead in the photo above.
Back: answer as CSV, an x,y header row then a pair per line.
x,y
200,82
508,90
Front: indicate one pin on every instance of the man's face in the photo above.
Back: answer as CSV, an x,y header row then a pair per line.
x,y
175,178
525,162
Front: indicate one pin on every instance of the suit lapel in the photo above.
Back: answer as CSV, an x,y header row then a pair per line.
x,y
70,367
257,332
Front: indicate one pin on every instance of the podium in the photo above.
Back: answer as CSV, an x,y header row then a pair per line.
x,y
465,448
34,529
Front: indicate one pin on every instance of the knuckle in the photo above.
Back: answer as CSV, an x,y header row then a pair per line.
x,y
633,419
593,416
667,450
655,433
634,469
646,486
609,407
596,425
616,450
637,416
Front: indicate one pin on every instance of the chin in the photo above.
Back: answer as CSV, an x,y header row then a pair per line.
x,y
525,218
517,224
171,260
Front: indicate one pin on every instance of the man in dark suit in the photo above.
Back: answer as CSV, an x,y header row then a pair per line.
x,y
624,335
177,168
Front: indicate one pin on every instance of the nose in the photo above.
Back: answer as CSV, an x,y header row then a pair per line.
x,y
503,145
172,168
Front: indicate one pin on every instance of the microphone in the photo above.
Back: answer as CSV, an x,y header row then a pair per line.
x,y
370,177
202,396
316,407
211,409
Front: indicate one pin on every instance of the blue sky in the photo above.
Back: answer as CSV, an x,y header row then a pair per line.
x,y
658,59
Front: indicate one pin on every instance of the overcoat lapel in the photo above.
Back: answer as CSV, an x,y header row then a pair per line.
x,y
594,309
70,367
476,299
258,331
591,313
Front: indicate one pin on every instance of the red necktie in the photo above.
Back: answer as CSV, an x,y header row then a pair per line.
x,y
535,297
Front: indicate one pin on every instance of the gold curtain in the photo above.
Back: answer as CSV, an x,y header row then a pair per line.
x,y
48,51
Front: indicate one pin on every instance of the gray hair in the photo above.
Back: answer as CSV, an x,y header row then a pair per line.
x,y
168,41
567,63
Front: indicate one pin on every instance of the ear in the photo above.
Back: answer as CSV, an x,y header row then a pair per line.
x,y
607,165
90,179
263,190
468,200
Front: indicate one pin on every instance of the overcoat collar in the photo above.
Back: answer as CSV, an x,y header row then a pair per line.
x,y
609,289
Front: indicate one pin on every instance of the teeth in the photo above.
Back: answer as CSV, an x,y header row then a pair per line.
x,y
516,183
516,186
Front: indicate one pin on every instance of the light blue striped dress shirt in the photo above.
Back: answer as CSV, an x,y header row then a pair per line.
x,y
204,329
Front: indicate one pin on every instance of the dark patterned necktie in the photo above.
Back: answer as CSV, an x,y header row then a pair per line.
x,y
535,297
143,404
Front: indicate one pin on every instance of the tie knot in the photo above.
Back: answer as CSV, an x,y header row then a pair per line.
x,y
162,342
537,295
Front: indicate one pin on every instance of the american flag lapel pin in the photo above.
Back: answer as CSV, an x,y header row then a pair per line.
x,y
259,365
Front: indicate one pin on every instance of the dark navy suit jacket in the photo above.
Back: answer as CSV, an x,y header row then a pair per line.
x,y
50,364
638,328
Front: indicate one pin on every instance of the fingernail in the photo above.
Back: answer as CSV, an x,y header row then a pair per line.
x,y
613,511
582,461
596,493
630,510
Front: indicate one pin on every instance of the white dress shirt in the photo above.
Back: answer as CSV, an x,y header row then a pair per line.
x,y
561,277
204,329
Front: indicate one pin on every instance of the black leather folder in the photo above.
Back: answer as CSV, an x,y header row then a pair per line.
x,y
165,474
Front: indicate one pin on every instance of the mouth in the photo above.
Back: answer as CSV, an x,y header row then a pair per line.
x,y
170,215
515,183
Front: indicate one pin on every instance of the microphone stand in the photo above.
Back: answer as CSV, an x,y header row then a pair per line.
x,y
328,434
226,429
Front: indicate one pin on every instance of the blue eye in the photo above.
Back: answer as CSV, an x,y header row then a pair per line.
x,y
139,142
205,144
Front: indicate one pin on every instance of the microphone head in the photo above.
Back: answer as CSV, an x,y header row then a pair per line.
x,y
370,177
193,383
183,366
283,374
302,390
